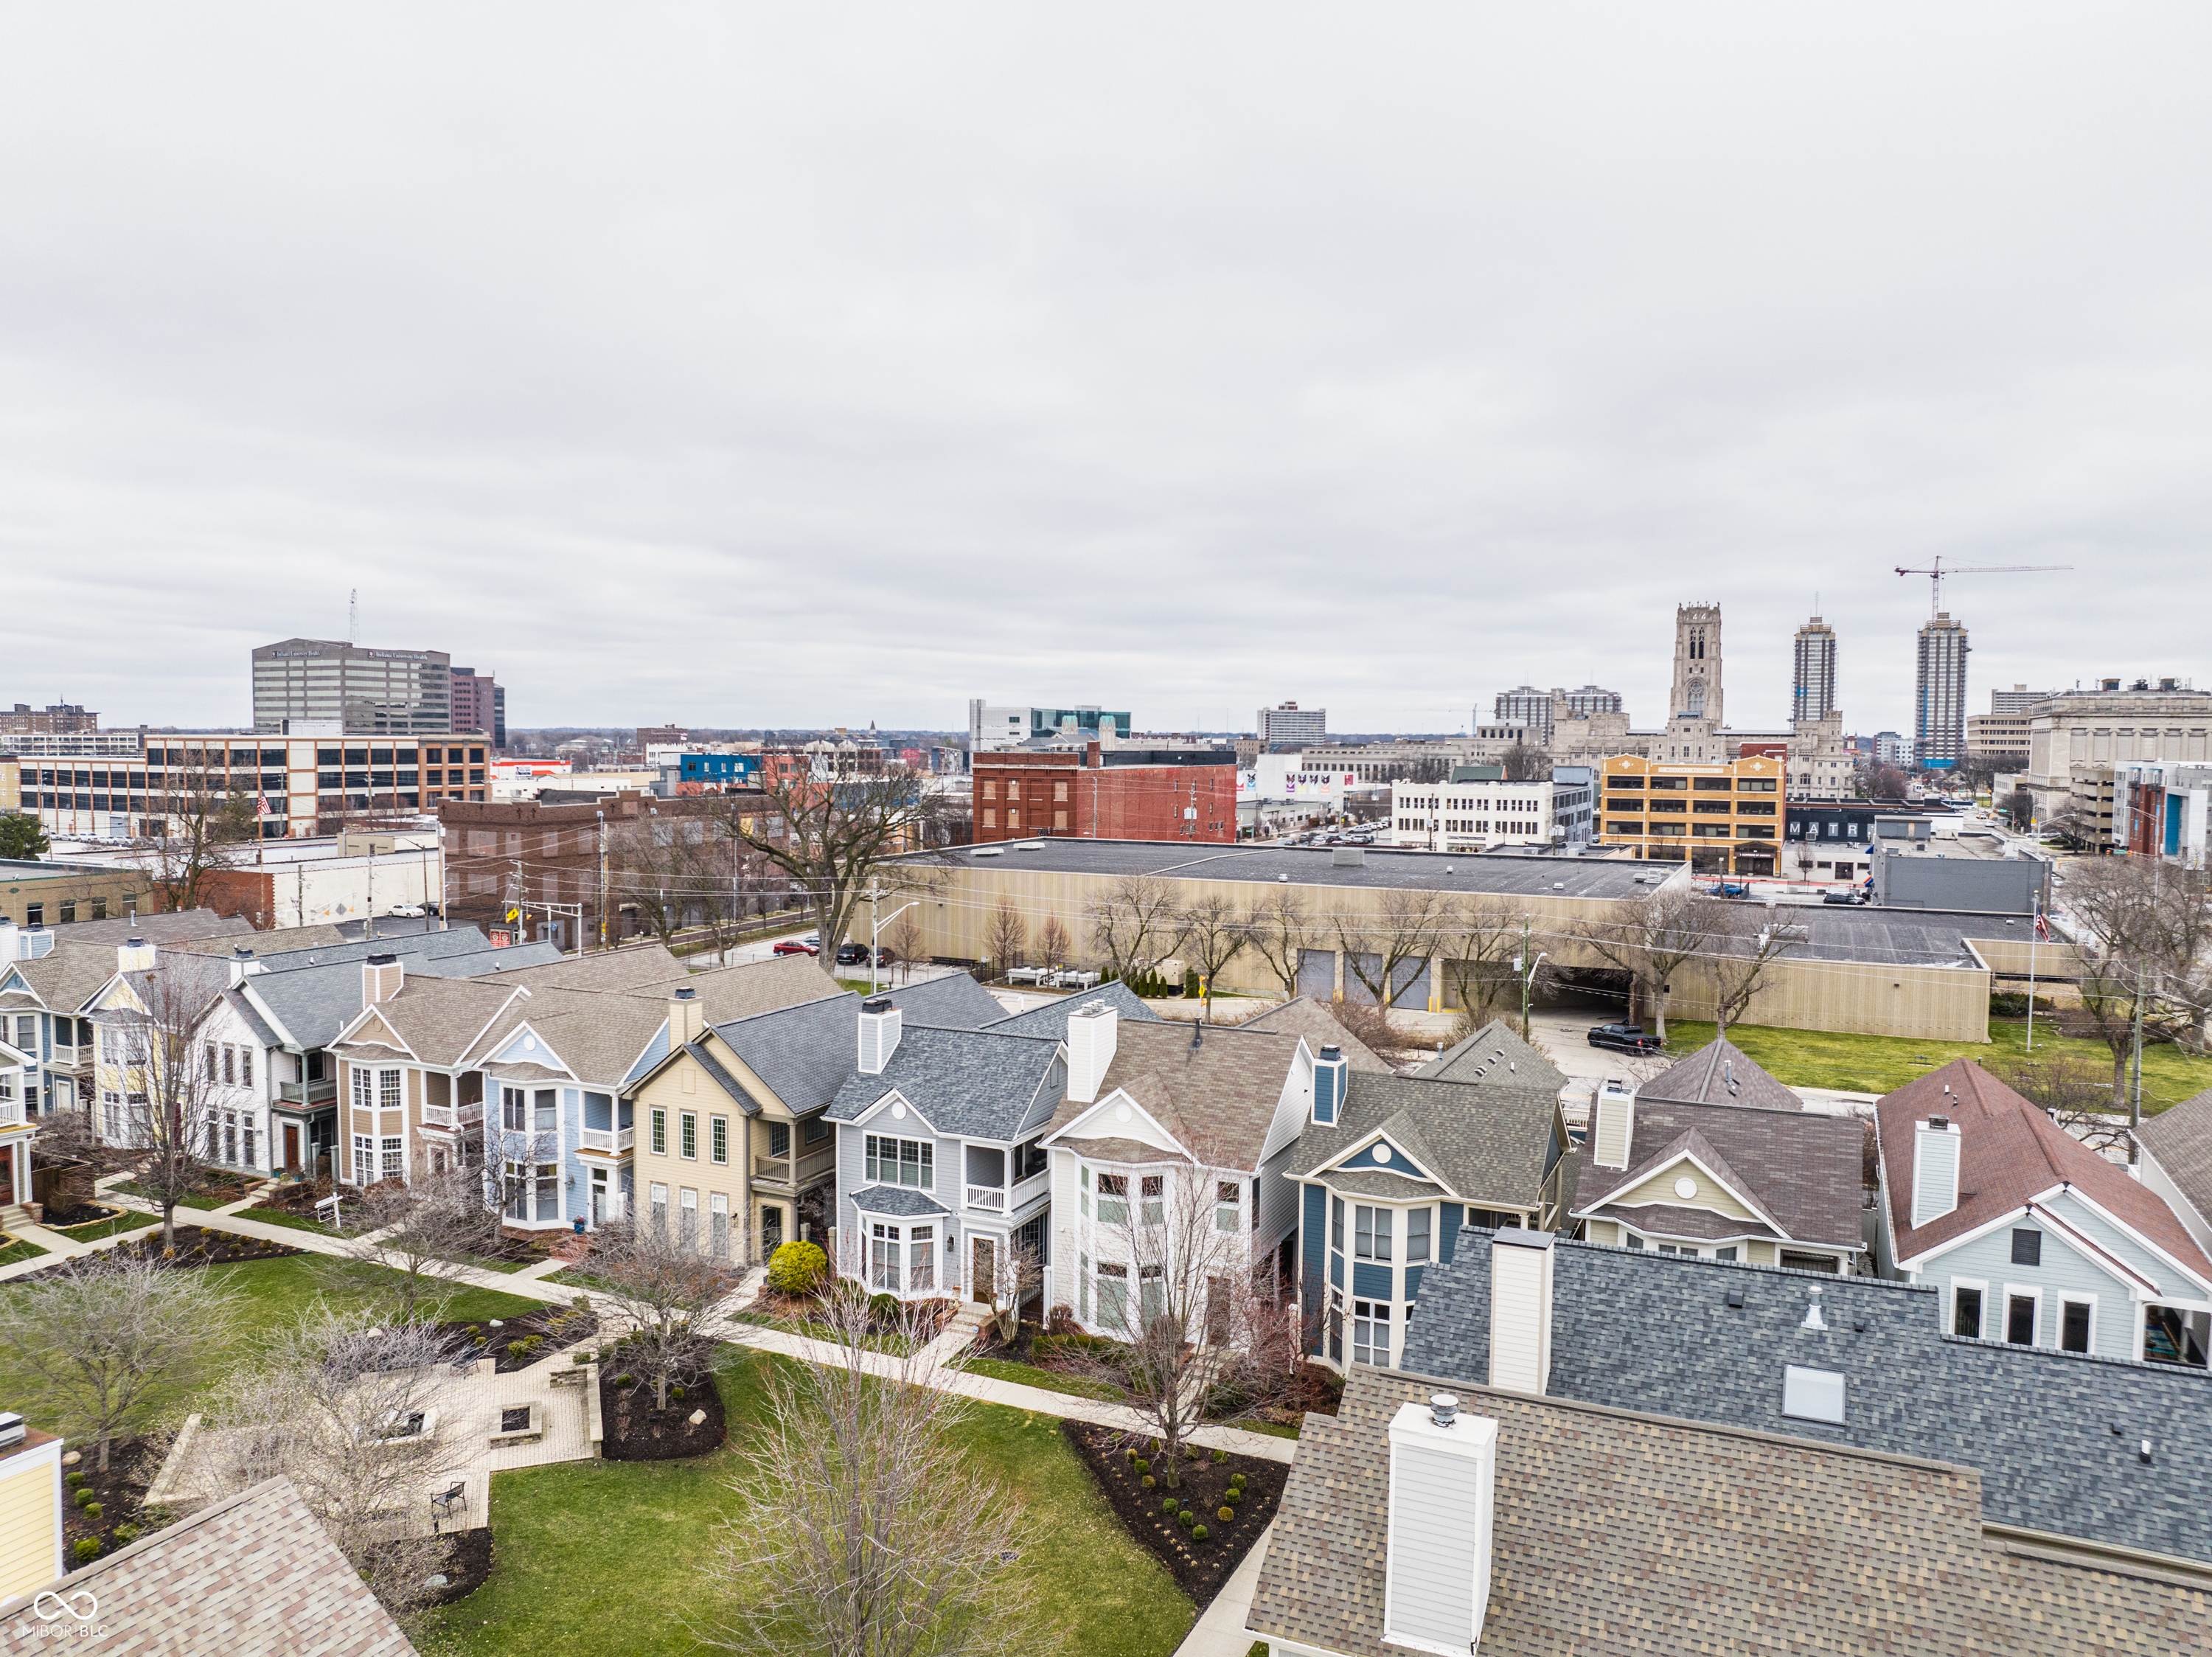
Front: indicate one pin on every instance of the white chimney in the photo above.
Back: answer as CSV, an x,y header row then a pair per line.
x,y
1444,1493
686,1018
241,963
1521,1309
135,955
879,1034
381,978
1612,1126
1935,1169
11,941
1092,1031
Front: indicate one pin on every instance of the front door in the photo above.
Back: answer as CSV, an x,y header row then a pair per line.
x,y
291,1148
986,1270
8,1174
598,1197
771,1231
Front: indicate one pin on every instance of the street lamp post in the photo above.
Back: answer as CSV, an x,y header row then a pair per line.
x,y
875,931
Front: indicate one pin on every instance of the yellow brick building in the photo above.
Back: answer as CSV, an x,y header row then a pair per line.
x,y
1721,820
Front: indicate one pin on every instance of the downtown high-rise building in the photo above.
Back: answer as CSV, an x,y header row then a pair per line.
x,y
1289,724
1939,701
1812,675
349,688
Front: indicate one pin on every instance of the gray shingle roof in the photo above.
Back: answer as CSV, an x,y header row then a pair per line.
x,y
2054,1434
976,1084
898,1200
1305,1016
2180,1137
314,993
1805,1171
721,1078
1495,1054
177,927
1487,1144
1218,1097
1615,1532
1052,1019
802,1054
1720,1073
954,1001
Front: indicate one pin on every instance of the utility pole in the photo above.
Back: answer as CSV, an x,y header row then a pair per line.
x,y
2033,932
2135,1105
603,879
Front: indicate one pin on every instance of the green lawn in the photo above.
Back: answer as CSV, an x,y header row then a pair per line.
x,y
1876,1064
110,1226
1028,1374
202,1203
19,1248
296,1221
602,1556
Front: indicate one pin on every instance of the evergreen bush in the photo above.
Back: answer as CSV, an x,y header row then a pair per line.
x,y
1168,1504
83,1497
1226,1515
1149,1481
93,1510
799,1270
87,1550
1197,1533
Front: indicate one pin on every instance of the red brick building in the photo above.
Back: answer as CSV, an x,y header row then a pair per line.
x,y
1123,794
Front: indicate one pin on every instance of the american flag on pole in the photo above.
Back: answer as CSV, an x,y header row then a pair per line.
x,y
2042,927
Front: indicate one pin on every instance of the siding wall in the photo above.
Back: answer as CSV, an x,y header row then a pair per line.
x,y
2063,1270
1711,1196
30,1518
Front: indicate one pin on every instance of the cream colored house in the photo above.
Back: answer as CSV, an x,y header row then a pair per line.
x,y
30,1513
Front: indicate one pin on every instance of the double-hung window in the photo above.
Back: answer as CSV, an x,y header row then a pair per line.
x,y
921,1258
1225,1194
1370,1332
1336,1224
1113,1201
718,1139
901,1162
364,1158
884,1257
1417,1234
388,1089
1371,1232
1113,1296
394,1157
1156,1188
660,1132
779,1139
364,1089
688,1132
514,1109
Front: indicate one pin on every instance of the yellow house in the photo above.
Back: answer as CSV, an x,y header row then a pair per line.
x,y
30,1509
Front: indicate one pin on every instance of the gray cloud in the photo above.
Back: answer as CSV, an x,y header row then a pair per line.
x,y
753,367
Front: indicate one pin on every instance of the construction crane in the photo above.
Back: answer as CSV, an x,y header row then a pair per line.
x,y
1935,576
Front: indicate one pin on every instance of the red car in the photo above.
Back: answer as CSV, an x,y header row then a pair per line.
x,y
797,946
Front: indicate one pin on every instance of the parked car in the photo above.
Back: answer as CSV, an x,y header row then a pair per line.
x,y
1849,895
797,946
1731,889
406,911
1624,1038
852,954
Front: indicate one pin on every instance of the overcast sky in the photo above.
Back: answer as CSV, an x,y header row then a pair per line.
x,y
735,365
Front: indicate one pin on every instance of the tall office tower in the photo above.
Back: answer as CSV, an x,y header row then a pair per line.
x,y
1289,723
1697,690
1813,682
480,704
1591,699
1528,707
2018,700
370,692
1940,701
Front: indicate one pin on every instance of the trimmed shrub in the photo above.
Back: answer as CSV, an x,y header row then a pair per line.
x,y
87,1550
1187,1517
799,1270
83,1497
675,1391
1233,1495
1198,1532
1237,1480
1143,1465
1168,1504
1150,1481
1220,1456
93,1510
1226,1515
73,1480
126,1535
883,1309
625,1381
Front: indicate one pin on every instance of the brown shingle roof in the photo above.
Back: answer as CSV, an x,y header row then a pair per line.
x,y
252,1576
2009,1152
1218,1098
1623,1532
1307,1017
1720,1073
1802,1170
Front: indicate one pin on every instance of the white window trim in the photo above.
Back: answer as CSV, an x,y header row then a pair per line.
x,y
1951,1306
2070,1297
2033,1292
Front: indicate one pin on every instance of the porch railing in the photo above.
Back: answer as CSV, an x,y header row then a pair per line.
x,y
309,1092
986,1196
610,1140
785,1170
439,1116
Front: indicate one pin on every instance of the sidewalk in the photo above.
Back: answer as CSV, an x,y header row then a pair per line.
x,y
1220,1631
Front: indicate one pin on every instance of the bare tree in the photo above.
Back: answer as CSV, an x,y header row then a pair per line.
x,y
1481,937
907,941
864,1528
358,1415
681,872
1407,926
1136,924
2151,930
1525,764
108,1342
201,832
1216,931
1016,1274
1280,936
832,834
421,1238
1650,938
2079,1096
1180,1290
1744,946
1006,937
665,1282
2018,810
168,1081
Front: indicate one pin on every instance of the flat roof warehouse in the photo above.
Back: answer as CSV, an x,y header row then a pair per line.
x,y
1873,937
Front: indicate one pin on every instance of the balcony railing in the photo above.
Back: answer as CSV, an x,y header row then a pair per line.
x,y
11,1113
612,1141
986,1196
309,1092
784,1171
438,1116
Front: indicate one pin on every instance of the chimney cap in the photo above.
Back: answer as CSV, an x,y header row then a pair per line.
x,y
1522,1237
687,993
1939,1121
244,952
386,960
1330,1052
1444,1407
877,1004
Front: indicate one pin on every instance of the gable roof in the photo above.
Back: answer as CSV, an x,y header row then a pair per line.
x,y
1638,1330
954,1001
282,940
167,930
1610,1529
2009,1152
1051,1020
1720,1073
68,975
1495,1053
1305,1016
1488,1144
970,1084
253,1576
1803,1170
2180,1137
1218,1098
801,1054
313,994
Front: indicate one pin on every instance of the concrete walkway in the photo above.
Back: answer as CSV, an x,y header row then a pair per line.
x,y
1220,1630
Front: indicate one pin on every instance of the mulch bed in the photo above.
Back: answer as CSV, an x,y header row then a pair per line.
x,y
636,1431
132,1466
1199,1568
84,1213
557,1327
197,1245
468,1563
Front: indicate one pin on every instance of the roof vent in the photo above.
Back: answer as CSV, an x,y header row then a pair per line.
x,y
2143,1454
1444,1407
1735,1299
1813,1318
1347,857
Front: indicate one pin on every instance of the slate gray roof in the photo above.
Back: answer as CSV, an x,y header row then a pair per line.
x,y
1490,1144
721,1078
2053,1434
1619,1533
318,935
954,1001
250,1015
315,993
1305,1016
1495,1054
1803,1170
802,1054
1720,1073
1051,1020
2181,1138
973,1084
900,1200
